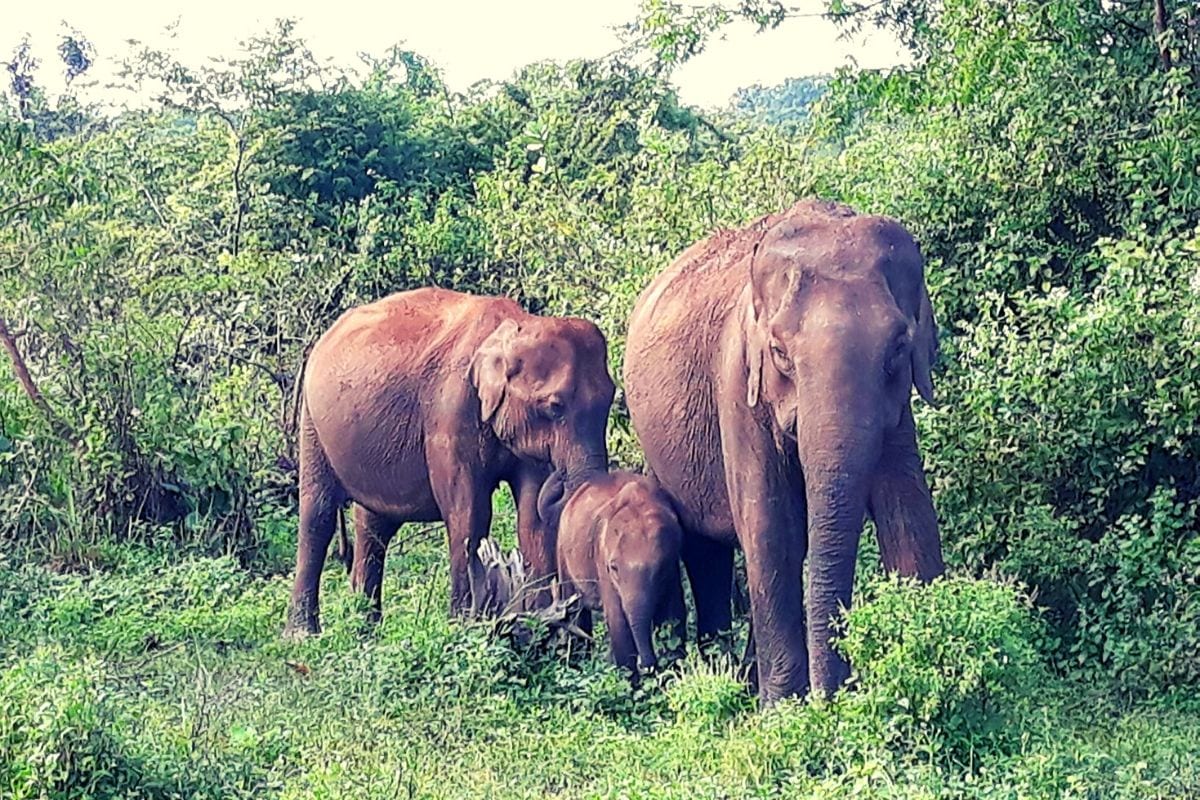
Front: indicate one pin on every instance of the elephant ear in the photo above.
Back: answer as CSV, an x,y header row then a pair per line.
x,y
925,348
755,353
598,533
492,367
771,278
761,288
625,496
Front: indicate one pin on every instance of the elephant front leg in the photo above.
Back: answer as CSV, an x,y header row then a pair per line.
x,y
463,491
906,524
769,514
774,562
535,539
466,525
622,647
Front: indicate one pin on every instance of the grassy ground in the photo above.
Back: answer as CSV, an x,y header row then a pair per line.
x,y
160,676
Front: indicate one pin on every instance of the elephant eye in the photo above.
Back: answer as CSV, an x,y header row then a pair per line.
x,y
897,355
554,409
781,358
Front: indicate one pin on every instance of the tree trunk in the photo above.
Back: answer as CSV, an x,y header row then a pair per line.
x,y
57,423
1160,33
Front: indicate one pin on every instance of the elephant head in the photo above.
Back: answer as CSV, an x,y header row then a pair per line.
x,y
838,329
544,388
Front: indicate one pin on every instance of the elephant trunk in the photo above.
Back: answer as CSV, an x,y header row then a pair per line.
x,y
581,448
551,498
836,488
641,625
580,470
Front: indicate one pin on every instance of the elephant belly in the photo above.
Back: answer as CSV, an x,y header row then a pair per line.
x,y
676,340
677,425
377,453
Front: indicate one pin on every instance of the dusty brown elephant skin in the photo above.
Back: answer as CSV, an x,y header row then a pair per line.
x,y
417,406
618,549
769,374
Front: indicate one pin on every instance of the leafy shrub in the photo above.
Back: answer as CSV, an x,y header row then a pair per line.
x,y
1066,456
59,734
708,695
948,668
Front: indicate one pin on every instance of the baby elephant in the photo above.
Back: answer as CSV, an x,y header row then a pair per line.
x,y
618,549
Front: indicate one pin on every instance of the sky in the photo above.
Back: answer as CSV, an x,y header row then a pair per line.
x,y
468,39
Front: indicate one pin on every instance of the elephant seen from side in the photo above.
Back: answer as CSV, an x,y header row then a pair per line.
x,y
417,406
768,374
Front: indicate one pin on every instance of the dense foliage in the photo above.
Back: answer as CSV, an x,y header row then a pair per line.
x,y
163,272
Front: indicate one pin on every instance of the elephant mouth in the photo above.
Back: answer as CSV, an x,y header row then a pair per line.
x,y
788,426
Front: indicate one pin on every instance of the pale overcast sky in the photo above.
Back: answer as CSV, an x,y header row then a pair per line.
x,y
467,39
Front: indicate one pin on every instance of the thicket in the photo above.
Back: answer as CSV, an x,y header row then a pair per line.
x,y
163,272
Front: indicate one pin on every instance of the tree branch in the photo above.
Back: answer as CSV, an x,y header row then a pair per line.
x,y
28,201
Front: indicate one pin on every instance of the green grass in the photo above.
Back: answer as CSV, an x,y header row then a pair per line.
x,y
166,677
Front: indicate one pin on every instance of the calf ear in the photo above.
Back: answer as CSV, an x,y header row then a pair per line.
x,y
925,348
596,536
492,366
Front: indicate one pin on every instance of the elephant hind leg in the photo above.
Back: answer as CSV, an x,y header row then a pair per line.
x,y
672,611
709,566
372,534
321,496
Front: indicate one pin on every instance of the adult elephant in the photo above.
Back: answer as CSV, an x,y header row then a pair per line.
x,y
768,373
417,406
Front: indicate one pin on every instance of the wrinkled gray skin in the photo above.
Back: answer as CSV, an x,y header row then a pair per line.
x,y
768,374
417,406
618,549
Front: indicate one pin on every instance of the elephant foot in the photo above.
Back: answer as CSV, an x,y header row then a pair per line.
x,y
300,627
461,611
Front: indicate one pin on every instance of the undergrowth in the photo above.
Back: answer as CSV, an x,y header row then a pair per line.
x,y
167,678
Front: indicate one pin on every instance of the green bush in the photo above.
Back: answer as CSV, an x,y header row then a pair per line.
x,y
708,695
60,732
1065,456
949,669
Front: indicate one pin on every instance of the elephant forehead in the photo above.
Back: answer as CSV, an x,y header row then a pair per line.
x,y
839,246
821,301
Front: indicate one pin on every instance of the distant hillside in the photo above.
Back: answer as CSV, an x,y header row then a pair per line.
x,y
787,102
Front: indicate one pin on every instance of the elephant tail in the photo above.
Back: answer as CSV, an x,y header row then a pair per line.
x,y
295,431
345,546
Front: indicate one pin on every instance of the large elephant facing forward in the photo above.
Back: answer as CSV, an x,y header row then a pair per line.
x,y
416,407
768,374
